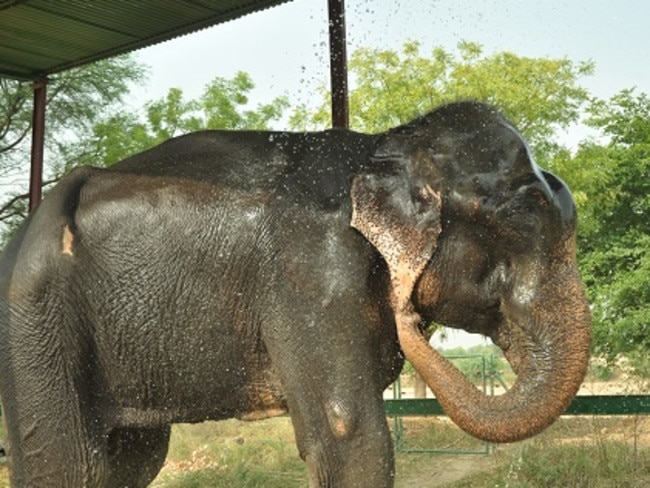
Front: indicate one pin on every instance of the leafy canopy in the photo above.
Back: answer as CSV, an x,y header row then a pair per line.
x,y
224,104
538,95
613,182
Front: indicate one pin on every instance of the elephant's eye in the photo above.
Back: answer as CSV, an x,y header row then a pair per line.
x,y
536,199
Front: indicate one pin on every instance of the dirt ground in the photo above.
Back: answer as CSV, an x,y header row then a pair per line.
x,y
440,470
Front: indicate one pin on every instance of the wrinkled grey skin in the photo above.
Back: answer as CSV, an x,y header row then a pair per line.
x,y
218,275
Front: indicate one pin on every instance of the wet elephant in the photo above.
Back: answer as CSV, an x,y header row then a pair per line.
x,y
247,274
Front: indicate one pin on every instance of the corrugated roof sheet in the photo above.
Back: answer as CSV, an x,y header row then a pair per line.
x,y
41,37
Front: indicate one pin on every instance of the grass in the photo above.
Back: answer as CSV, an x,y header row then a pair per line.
x,y
439,434
607,465
576,452
233,454
610,464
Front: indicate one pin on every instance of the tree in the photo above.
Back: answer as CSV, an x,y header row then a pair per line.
x,y
77,99
613,182
224,104
539,95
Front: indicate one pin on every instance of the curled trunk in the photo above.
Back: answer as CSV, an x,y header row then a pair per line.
x,y
550,372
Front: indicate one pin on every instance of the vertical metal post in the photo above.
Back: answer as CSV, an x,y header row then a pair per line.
x,y
38,140
338,64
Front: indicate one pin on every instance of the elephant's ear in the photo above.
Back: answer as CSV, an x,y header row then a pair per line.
x,y
402,222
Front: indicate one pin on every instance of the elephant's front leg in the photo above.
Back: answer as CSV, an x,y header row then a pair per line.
x,y
351,448
335,401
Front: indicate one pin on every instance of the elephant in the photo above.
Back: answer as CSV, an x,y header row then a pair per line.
x,y
248,274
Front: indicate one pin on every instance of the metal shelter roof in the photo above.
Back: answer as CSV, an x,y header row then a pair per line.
x,y
41,37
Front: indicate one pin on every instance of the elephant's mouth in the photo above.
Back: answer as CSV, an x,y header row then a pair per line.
x,y
513,345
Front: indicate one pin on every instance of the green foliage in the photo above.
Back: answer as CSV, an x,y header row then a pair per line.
x,y
224,104
640,361
602,372
539,95
76,99
612,186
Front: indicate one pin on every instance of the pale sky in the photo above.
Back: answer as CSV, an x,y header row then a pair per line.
x,y
285,49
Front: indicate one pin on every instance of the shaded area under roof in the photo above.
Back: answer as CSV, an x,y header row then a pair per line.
x,y
41,37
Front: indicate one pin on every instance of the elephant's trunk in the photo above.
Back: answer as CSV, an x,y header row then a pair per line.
x,y
552,364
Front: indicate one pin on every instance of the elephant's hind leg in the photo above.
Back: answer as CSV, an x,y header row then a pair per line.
x,y
50,442
136,455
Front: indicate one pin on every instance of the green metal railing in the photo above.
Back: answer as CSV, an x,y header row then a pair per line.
x,y
581,405
399,407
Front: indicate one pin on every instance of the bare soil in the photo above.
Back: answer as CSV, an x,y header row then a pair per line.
x,y
440,470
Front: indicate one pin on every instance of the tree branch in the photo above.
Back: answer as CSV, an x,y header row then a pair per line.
x,y
15,213
20,138
23,196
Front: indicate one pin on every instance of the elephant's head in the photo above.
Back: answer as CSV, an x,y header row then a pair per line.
x,y
477,237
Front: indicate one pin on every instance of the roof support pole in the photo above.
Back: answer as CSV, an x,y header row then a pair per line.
x,y
38,140
338,64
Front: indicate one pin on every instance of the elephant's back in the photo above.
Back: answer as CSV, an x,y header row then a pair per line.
x,y
248,158
315,165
